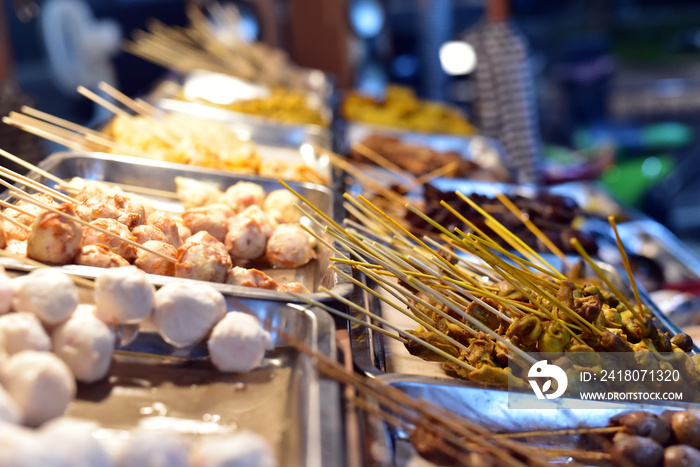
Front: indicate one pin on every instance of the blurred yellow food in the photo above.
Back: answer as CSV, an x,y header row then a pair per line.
x,y
189,140
281,105
401,108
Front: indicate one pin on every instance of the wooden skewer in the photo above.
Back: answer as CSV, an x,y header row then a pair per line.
x,y
16,208
14,221
381,161
77,279
564,432
22,195
30,166
121,97
36,185
533,228
439,172
60,122
626,262
599,272
49,132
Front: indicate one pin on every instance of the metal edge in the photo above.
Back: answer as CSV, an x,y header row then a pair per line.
x,y
342,286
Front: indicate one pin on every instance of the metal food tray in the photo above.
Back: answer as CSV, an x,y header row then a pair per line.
x,y
153,386
370,354
488,408
255,128
478,403
160,176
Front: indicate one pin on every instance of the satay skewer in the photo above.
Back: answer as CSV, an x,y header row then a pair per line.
x,y
626,262
25,196
14,176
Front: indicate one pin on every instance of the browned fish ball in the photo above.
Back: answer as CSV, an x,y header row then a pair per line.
x,y
681,455
686,427
645,424
635,450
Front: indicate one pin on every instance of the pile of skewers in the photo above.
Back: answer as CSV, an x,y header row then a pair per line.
x,y
141,130
631,439
199,47
479,307
104,227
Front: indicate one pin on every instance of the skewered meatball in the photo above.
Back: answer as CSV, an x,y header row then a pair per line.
x,y
645,424
681,456
686,427
147,233
47,293
289,247
280,206
40,383
12,232
54,239
245,449
9,410
250,278
168,226
152,448
23,331
17,247
193,193
208,219
238,343
99,256
6,292
123,296
204,258
154,264
43,198
93,208
296,287
184,232
115,206
123,249
186,312
248,233
636,450
86,345
91,189
242,195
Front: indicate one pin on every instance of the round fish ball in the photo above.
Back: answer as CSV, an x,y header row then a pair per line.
x,y
243,194
123,249
168,226
18,447
289,247
49,294
202,257
154,264
296,287
279,205
245,449
17,247
40,383
86,344
154,448
206,219
186,312
6,292
23,331
238,343
123,296
9,410
71,443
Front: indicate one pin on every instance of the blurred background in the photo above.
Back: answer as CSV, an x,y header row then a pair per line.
x,y
615,85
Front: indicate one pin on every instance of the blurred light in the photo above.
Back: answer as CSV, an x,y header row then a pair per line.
x,y
372,80
221,89
367,18
308,155
651,167
457,58
249,27
404,66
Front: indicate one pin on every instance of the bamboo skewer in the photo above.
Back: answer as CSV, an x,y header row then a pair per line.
x,y
36,185
626,262
439,172
22,195
14,221
381,161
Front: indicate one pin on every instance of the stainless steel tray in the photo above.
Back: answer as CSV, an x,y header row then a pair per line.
x,y
485,151
487,408
160,175
258,129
